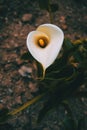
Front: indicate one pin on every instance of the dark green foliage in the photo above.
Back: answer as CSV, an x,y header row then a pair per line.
x,y
68,124
82,123
27,56
61,91
67,44
65,77
40,69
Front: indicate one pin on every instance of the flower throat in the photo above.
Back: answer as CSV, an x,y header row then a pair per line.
x,y
42,42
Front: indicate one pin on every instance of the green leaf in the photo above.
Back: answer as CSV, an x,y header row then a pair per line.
x,y
40,69
85,44
82,124
69,113
60,91
68,124
59,63
27,56
65,73
78,56
43,112
67,44
50,104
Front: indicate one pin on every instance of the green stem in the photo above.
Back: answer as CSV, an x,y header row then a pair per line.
x,y
63,78
59,79
70,114
43,75
14,112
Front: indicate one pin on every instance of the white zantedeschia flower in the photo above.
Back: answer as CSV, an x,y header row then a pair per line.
x,y
45,43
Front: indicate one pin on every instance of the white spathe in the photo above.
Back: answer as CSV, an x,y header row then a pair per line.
x,y
54,35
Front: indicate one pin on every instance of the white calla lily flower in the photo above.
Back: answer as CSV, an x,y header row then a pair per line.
x,y
45,43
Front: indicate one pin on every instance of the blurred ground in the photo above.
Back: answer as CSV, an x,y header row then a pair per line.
x,y
17,19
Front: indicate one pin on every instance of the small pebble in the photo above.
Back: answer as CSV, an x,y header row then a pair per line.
x,y
27,17
25,71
